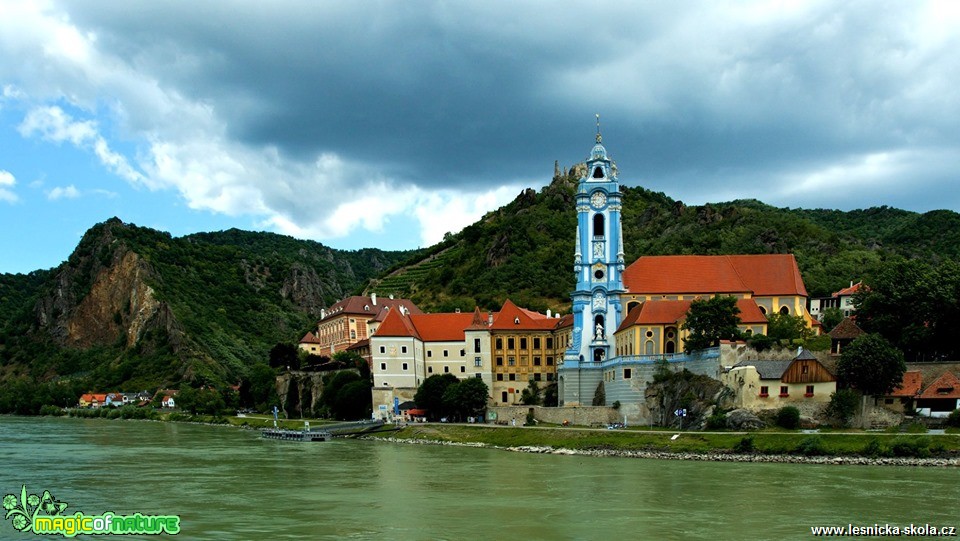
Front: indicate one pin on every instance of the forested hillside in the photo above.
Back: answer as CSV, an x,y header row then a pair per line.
x,y
135,308
524,250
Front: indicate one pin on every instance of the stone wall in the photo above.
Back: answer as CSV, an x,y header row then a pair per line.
x,y
575,415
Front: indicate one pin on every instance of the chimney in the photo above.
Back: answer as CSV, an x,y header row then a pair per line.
x,y
490,319
391,296
851,283
323,313
457,311
557,315
373,298
549,313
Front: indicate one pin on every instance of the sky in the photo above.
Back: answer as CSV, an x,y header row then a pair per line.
x,y
387,124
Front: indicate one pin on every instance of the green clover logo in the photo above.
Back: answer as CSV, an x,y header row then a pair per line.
x,y
25,509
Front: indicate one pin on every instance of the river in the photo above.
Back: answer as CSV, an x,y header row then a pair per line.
x,y
227,484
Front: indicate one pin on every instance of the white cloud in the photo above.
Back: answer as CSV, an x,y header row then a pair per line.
x,y
7,181
52,124
68,192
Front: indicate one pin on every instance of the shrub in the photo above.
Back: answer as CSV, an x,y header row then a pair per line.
x,y
788,417
916,428
872,449
811,446
843,406
717,421
745,445
918,447
954,419
51,410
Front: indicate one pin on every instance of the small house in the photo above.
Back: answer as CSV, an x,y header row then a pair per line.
x,y
774,384
940,397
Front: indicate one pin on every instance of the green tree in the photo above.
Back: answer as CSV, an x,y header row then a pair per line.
x,y
786,328
600,395
332,384
551,395
467,398
431,392
352,359
285,356
710,321
830,318
291,405
353,401
259,389
843,405
531,396
871,365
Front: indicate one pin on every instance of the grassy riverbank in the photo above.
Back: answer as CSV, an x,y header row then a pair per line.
x,y
766,443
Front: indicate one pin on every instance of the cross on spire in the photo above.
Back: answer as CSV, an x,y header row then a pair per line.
x,y
599,137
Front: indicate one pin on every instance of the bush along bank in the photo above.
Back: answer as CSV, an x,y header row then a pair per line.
x,y
854,449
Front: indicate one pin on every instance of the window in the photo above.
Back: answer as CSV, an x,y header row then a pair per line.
x,y
510,343
536,361
512,377
499,361
598,225
627,373
463,353
499,343
809,392
383,349
784,310
429,353
803,370
549,361
476,345
549,342
446,369
404,366
383,366
784,391
463,369
503,397
536,343
536,376
764,391
523,343
549,376
477,361
763,310
479,376
511,361
499,377
430,370
403,349
446,353
353,335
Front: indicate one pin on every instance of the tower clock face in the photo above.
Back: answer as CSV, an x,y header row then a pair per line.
x,y
598,199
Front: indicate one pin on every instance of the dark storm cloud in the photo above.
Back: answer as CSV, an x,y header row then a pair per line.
x,y
698,100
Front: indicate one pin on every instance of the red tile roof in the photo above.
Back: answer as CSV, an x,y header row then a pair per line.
x,y
847,329
396,325
847,291
659,312
946,386
512,317
910,386
357,305
762,275
445,327
91,397
309,338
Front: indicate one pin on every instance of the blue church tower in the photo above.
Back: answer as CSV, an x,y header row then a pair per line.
x,y
598,265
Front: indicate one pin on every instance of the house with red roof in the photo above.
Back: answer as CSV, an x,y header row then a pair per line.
x,y
93,400
772,384
841,300
506,349
768,283
351,320
904,397
941,397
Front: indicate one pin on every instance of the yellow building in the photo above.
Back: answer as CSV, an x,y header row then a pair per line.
x,y
655,327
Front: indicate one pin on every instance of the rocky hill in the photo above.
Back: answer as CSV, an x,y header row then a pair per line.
x,y
136,308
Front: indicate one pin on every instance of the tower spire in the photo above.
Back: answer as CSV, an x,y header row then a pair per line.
x,y
599,137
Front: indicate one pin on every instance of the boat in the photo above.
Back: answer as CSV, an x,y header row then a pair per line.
x,y
295,435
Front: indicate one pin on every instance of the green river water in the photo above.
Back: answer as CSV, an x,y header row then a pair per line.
x,y
226,483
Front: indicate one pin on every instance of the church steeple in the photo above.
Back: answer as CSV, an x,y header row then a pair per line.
x,y
598,260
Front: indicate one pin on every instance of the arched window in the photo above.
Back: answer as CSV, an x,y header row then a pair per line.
x,y
648,347
630,305
598,225
762,310
784,310
598,172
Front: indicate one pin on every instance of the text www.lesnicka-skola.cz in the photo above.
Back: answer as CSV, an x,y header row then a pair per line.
x,y
884,530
